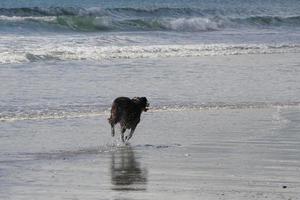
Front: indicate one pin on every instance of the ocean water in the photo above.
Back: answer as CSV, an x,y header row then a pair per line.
x,y
222,79
113,48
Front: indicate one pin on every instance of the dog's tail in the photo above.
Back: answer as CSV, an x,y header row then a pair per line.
x,y
110,119
113,115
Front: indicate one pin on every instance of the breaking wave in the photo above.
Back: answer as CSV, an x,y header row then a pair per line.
x,y
88,111
132,19
67,52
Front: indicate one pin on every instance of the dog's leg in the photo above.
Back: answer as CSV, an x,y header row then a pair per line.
x,y
131,133
112,130
112,123
122,134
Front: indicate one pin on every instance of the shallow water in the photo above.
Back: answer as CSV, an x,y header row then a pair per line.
x,y
63,90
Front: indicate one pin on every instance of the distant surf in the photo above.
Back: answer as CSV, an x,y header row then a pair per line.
x,y
137,19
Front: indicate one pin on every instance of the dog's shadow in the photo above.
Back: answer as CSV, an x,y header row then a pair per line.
x,y
126,173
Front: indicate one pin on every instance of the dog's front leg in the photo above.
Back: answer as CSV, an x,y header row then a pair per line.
x,y
130,134
122,134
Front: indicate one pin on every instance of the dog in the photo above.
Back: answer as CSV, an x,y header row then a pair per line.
x,y
127,112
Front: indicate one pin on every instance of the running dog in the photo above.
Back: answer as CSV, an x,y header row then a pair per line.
x,y
127,112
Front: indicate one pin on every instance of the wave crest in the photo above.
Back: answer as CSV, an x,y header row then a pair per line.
x,y
134,19
106,23
194,24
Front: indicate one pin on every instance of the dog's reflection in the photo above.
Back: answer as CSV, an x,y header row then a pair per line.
x,y
126,173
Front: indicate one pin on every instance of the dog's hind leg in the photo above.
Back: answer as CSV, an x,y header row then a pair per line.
x,y
112,123
112,130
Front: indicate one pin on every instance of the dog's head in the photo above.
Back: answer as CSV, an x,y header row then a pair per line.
x,y
143,103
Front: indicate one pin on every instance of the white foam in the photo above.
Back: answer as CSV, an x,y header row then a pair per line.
x,y
24,18
193,24
64,113
49,116
58,49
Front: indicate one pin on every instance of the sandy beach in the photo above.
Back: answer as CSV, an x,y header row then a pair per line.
x,y
207,154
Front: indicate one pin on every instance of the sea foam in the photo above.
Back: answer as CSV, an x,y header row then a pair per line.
x,y
90,111
69,51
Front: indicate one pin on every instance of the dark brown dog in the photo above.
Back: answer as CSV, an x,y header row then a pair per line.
x,y
127,112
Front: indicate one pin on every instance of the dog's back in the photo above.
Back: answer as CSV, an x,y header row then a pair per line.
x,y
119,109
127,112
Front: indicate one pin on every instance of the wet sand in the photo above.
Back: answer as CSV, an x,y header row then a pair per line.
x,y
192,154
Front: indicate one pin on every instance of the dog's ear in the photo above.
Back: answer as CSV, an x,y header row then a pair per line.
x,y
135,98
144,99
145,103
